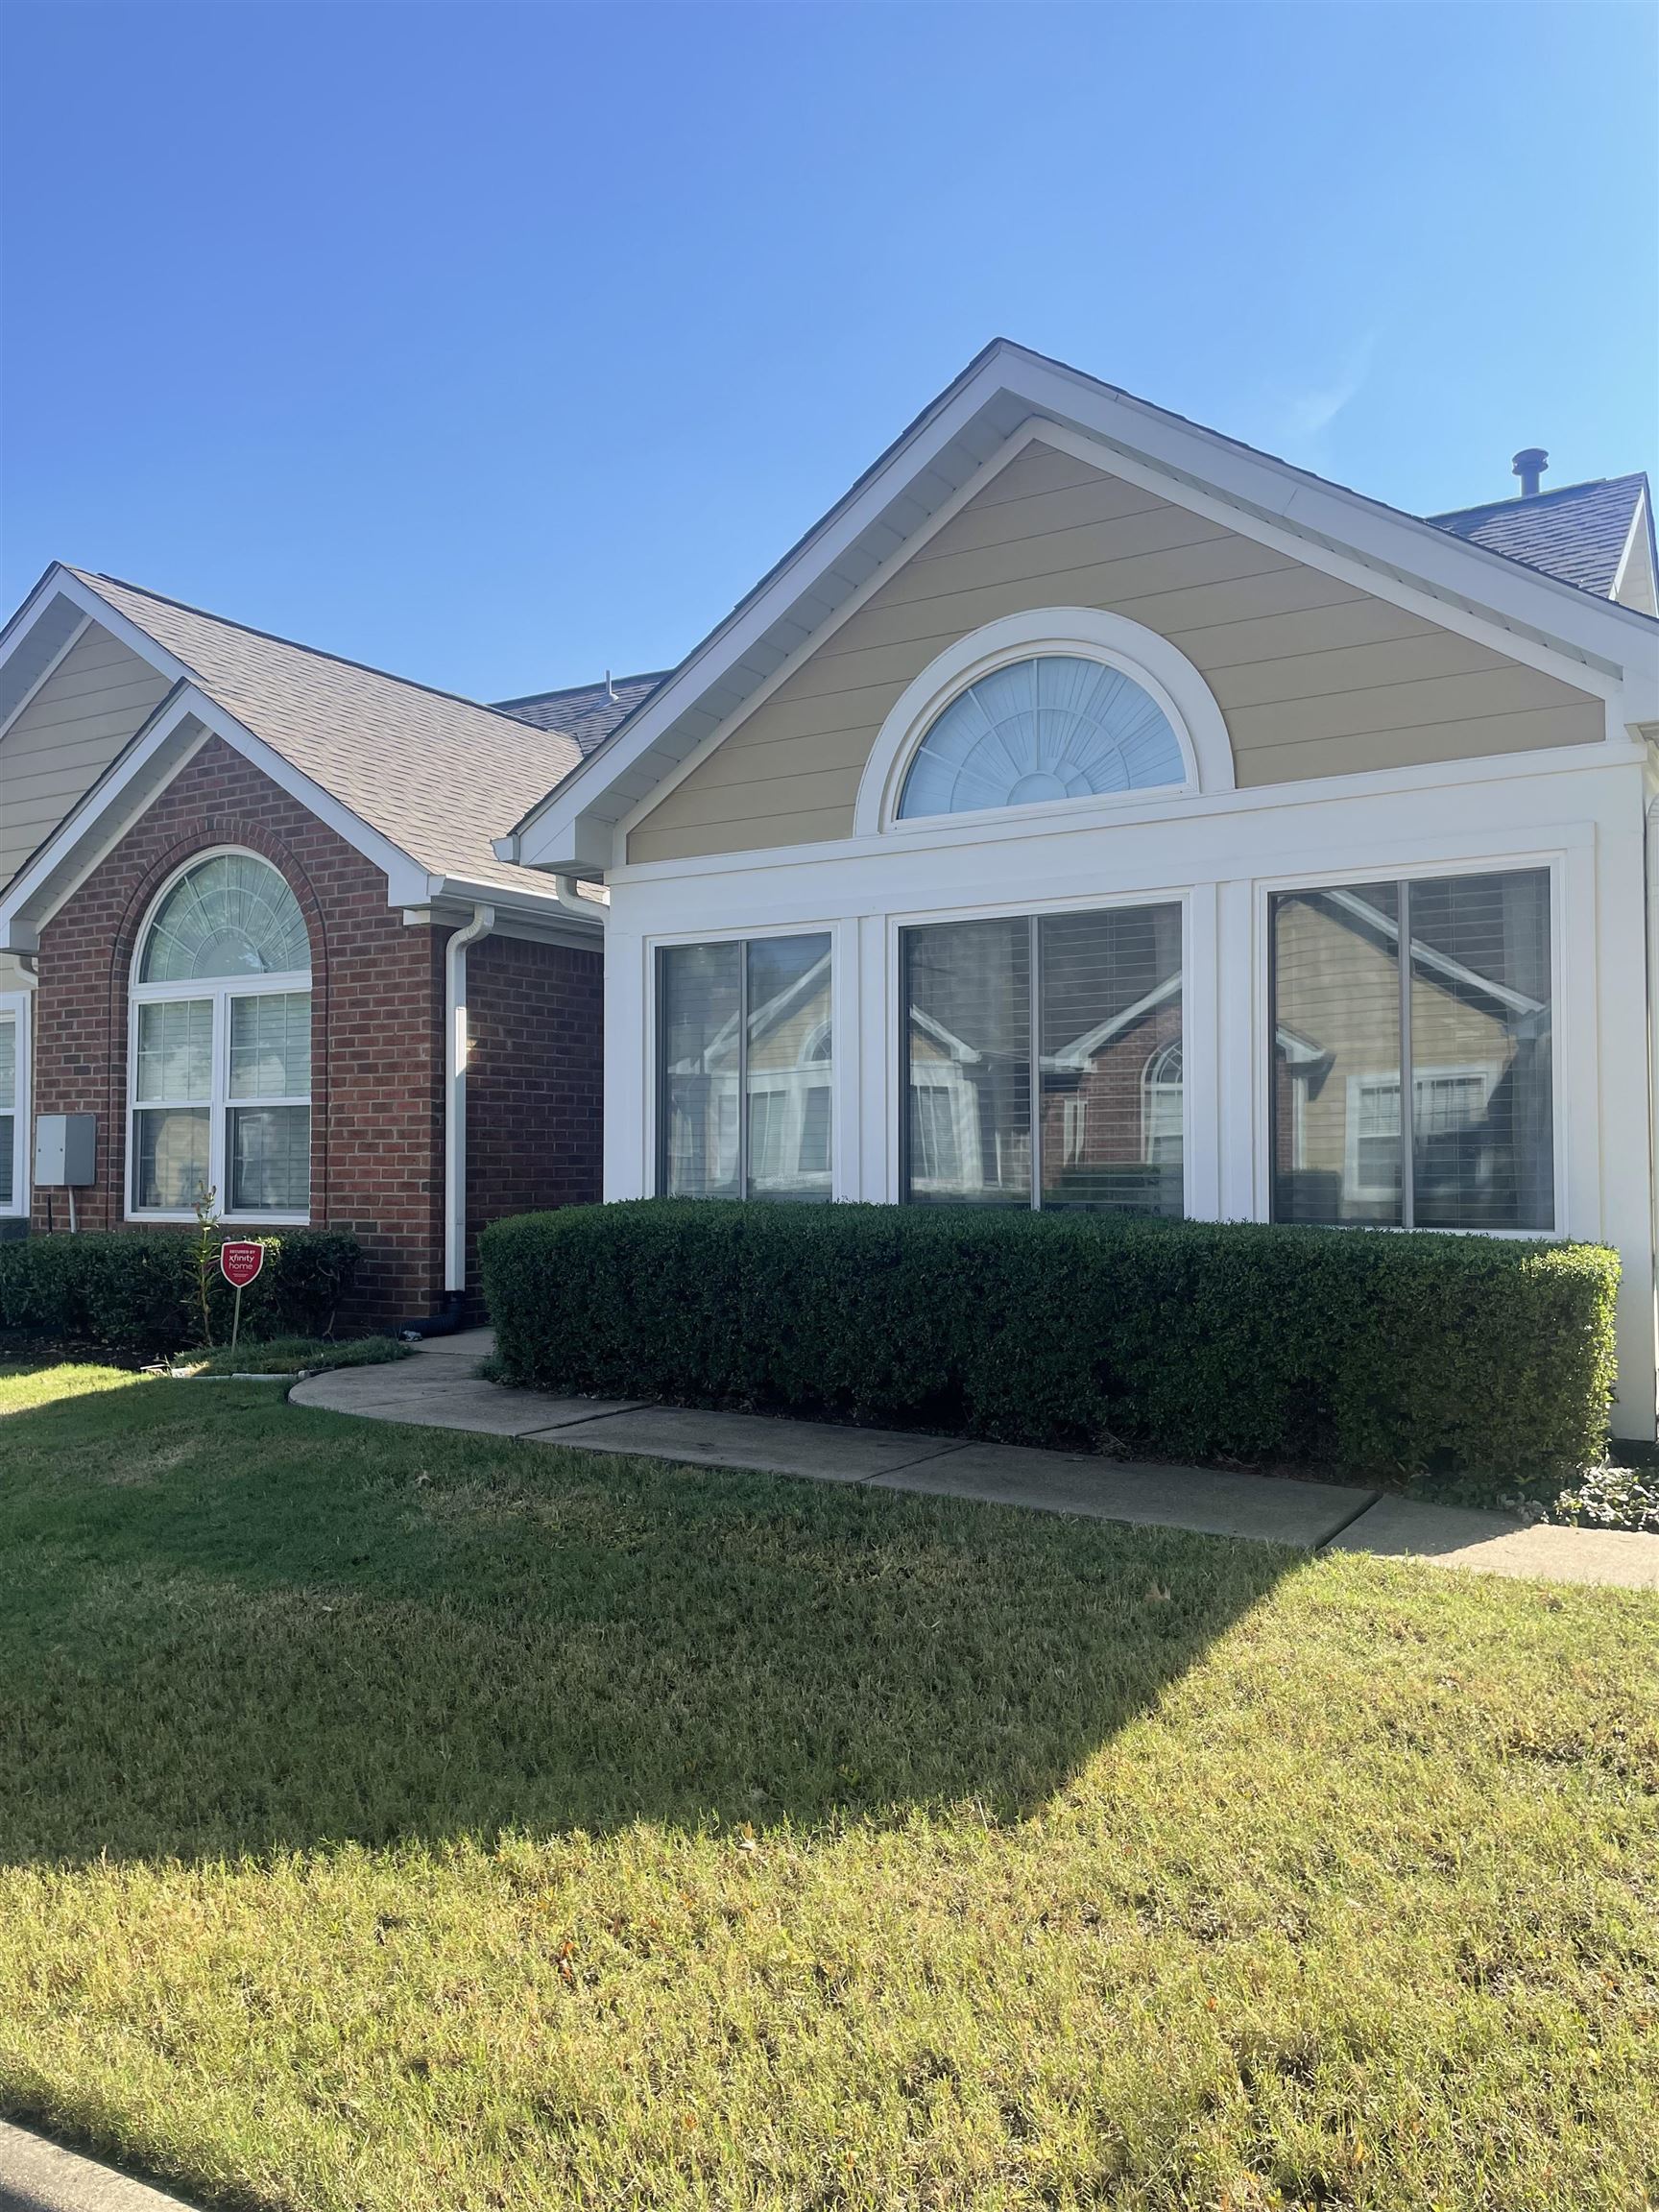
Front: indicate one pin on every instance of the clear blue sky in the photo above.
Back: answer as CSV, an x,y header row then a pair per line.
x,y
498,343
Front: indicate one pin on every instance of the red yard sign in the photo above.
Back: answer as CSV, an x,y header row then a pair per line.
x,y
240,1264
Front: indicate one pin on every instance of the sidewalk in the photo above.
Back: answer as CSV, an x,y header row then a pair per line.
x,y
36,2175
440,1387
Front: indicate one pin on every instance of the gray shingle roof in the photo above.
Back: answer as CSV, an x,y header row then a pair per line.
x,y
587,712
442,777
1579,533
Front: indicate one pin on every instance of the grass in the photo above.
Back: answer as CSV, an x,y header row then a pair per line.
x,y
391,1819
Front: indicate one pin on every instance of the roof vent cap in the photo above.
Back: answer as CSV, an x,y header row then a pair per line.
x,y
1530,464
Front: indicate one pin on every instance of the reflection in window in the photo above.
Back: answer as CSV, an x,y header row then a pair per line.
x,y
1470,1018
968,1027
1055,726
1109,987
747,1070
1092,1002
1163,1120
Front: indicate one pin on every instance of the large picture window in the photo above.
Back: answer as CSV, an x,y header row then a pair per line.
x,y
221,1045
1460,1025
746,1062
1042,1061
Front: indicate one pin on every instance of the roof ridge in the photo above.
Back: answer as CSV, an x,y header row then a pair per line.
x,y
96,576
570,690
1515,501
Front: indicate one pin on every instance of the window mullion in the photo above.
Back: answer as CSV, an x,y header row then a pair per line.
x,y
1408,1098
743,1068
218,1133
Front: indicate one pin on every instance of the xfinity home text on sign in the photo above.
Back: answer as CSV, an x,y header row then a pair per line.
x,y
240,1264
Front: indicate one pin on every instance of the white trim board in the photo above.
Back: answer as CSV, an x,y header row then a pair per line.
x,y
143,769
159,751
1491,772
1164,672
1396,556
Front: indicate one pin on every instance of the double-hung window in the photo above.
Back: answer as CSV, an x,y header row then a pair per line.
x,y
13,1101
1042,1061
220,1046
746,1069
1458,1023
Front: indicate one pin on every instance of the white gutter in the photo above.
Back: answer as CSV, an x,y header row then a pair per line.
x,y
455,1045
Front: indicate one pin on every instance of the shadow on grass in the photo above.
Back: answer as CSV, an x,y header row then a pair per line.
x,y
230,1626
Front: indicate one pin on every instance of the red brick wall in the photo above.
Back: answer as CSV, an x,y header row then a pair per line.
x,y
376,1022
534,1106
535,1079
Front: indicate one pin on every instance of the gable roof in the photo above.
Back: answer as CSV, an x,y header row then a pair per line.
x,y
1005,391
1579,533
586,712
435,775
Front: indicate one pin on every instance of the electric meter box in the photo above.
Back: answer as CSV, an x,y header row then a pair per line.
x,y
65,1148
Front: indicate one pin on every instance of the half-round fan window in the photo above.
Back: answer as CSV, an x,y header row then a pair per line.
x,y
1056,726
230,915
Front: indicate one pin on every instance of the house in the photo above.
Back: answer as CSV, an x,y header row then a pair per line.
x,y
253,922
1091,810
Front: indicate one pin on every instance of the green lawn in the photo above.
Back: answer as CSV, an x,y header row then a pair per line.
x,y
391,1819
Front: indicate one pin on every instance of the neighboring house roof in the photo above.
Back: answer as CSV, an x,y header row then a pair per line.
x,y
1579,533
587,712
438,776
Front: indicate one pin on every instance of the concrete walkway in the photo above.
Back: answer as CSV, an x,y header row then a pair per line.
x,y
38,2176
440,1387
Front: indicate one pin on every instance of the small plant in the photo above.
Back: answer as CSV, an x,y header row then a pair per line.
x,y
207,1253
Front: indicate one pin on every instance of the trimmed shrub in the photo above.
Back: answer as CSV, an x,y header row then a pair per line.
x,y
1209,1341
136,1290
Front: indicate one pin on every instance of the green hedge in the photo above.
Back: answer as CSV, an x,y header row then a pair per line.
x,y
136,1289
1349,1347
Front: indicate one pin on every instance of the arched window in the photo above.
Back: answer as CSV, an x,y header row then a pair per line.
x,y
1162,1121
1051,725
220,1051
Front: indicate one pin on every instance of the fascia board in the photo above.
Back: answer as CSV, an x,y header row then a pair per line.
x,y
566,828
147,765
1345,520
553,821
56,656
122,626
57,869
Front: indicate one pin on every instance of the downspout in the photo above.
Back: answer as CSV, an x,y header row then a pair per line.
x,y
1650,873
448,1319
591,910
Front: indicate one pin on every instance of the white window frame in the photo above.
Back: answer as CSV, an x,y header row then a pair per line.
x,y
1076,633
1564,1015
14,1005
789,1080
1023,910
219,989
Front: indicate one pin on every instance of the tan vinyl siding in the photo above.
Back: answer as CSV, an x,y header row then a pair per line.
x,y
1313,675
68,736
